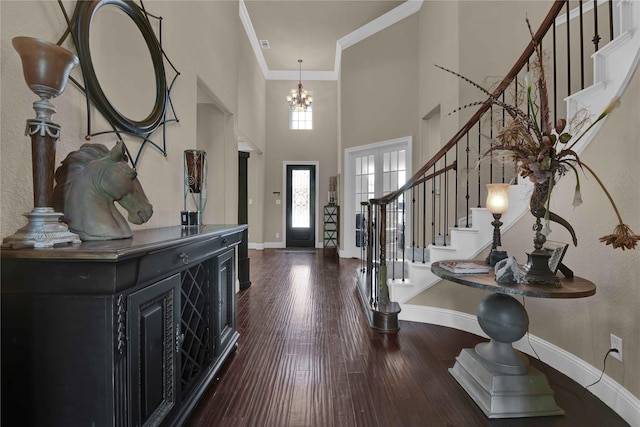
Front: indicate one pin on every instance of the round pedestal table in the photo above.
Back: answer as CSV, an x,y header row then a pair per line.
x,y
496,376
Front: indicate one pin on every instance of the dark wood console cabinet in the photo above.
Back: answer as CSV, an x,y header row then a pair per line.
x,y
117,333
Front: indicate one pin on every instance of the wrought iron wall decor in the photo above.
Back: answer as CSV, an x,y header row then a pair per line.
x,y
78,27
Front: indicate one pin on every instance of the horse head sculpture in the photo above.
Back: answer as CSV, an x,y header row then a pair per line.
x,y
88,183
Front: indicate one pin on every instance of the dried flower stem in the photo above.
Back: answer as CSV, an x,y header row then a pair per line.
x,y
615,208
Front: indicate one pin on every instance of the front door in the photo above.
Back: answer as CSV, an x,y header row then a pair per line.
x,y
301,209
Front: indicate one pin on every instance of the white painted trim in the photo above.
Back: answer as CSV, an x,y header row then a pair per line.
x,y
274,245
256,246
306,75
283,200
395,15
442,317
379,144
575,12
253,38
608,390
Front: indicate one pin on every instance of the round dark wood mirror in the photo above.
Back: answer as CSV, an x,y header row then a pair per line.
x,y
149,112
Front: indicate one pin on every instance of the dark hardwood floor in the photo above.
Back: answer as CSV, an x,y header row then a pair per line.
x,y
307,357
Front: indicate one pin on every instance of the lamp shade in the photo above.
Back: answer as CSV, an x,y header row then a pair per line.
x,y
497,198
46,66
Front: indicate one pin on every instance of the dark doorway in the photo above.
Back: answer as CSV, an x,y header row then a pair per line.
x,y
243,218
301,206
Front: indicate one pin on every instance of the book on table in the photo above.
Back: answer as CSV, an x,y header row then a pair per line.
x,y
465,267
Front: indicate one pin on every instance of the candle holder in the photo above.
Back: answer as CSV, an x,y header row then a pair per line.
x,y
46,67
195,187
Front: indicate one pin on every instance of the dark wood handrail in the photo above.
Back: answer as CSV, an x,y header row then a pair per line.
x,y
386,199
504,84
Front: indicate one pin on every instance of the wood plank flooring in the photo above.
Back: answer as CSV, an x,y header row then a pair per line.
x,y
307,357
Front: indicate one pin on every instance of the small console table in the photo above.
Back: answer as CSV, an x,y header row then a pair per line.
x,y
119,333
496,376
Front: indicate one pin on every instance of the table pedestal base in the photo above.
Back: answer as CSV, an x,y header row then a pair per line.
x,y
501,395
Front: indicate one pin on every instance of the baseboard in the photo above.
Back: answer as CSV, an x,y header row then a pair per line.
x,y
442,317
608,390
274,245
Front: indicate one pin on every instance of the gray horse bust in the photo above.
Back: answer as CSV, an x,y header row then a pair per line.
x,y
88,183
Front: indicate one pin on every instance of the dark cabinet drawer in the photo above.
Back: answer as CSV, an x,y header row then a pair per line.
x,y
166,261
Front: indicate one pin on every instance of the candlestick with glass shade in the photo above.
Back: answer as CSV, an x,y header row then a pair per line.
x,y
497,204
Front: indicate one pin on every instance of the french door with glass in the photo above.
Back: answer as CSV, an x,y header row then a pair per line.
x,y
371,172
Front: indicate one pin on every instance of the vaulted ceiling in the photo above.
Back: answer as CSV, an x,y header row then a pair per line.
x,y
315,31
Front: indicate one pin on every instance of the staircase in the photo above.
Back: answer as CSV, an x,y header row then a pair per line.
x,y
390,278
613,67
465,243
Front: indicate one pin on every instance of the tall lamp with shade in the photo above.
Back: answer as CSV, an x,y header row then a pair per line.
x,y
497,204
46,67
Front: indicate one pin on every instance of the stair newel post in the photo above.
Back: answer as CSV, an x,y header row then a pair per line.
x,y
414,228
362,239
383,288
368,246
375,253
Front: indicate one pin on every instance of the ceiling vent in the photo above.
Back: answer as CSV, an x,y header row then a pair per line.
x,y
265,44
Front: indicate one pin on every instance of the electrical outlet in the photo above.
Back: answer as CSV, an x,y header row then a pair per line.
x,y
616,342
278,236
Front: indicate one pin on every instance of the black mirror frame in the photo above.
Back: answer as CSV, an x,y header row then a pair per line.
x,y
83,15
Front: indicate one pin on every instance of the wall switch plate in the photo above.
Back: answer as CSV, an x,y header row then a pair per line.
x,y
616,342
277,235
277,201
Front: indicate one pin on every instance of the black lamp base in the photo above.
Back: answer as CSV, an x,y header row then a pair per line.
x,y
536,271
495,256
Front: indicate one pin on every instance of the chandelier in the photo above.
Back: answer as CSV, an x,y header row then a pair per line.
x,y
300,99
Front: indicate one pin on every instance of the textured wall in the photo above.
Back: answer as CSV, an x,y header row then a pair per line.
x,y
202,39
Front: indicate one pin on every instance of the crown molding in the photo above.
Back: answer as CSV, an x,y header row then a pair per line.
x,y
295,75
395,15
253,38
